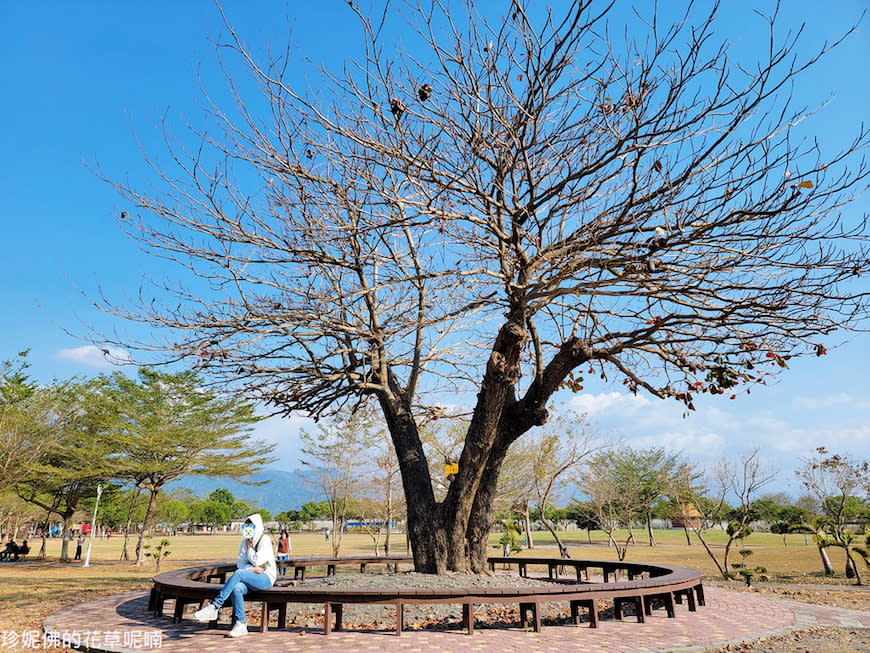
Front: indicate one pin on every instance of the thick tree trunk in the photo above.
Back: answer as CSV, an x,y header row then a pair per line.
x,y
480,518
426,539
452,536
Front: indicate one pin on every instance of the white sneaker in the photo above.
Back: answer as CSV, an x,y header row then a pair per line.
x,y
239,630
208,613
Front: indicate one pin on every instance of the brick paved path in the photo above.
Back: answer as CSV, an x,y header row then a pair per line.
x,y
122,623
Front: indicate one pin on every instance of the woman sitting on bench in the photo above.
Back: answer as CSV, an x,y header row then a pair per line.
x,y
256,570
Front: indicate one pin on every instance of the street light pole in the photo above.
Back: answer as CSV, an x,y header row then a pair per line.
x,y
93,525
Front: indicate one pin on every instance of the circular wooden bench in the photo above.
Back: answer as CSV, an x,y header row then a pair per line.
x,y
622,582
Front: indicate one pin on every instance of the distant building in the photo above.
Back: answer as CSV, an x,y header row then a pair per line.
x,y
686,517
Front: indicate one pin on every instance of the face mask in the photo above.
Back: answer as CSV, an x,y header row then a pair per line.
x,y
248,531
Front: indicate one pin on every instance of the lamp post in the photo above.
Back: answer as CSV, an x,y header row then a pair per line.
x,y
93,525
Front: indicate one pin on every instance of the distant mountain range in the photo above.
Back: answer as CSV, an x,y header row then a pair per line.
x,y
280,490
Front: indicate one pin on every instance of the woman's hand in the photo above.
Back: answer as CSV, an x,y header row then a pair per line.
x,y
257,570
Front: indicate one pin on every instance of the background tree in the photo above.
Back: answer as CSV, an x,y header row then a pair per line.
x,y
584,514
835,481
817,526
686,491
515,200
385,485
211,513
173,512
313,510
740,480
167,426
334,454
79,459
561,448
26,416
647,473
616,505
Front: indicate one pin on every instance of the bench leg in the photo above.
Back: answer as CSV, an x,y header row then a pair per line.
x,y
468,617
638,601
647,605
179,610
525,609
264,617
669,605
699,588
589,604
328,610
282,616
690,598
400,618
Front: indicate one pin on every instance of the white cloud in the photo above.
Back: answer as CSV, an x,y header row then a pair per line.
x,y
593,405
95,356
815,403
686,441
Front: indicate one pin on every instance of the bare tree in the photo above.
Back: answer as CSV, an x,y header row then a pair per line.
x,y
741,480
335,454
837,482
377,496
560,449
511,200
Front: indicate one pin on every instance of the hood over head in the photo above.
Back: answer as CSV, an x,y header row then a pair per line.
x,y
257,521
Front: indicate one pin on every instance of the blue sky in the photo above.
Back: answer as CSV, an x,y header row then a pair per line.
x,y
79,78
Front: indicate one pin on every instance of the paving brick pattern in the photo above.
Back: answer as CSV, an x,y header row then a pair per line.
x,y
123,623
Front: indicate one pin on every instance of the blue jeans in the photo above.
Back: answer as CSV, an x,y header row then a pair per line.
x,y
238,585
282,571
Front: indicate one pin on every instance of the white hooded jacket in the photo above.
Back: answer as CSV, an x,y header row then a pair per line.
x,y
261,554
